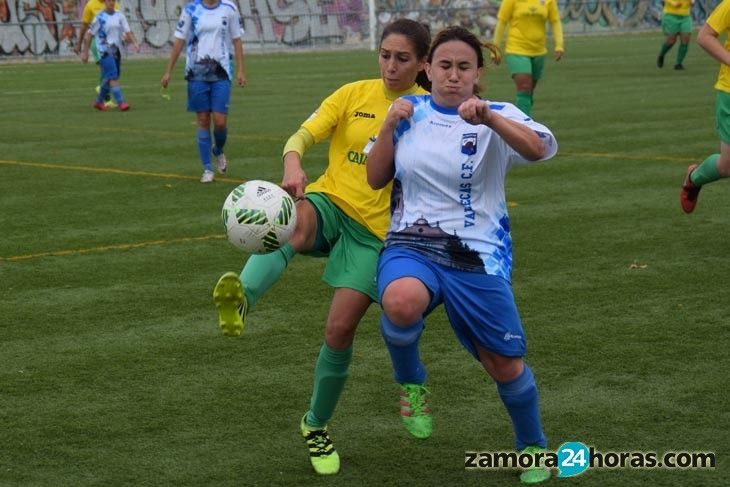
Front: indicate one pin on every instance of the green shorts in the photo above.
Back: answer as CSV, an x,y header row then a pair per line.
x,y
532,65
351,249
722,115
676,24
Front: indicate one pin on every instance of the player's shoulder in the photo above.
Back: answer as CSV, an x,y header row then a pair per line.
x,y
362,84
229,4
359,89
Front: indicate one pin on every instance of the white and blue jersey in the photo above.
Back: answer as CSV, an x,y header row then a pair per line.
x,y
209,32
109,30
455,176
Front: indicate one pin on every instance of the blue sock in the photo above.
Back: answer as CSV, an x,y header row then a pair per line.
x,y
219,136
204,148
522,401
402,343
103,93
117,92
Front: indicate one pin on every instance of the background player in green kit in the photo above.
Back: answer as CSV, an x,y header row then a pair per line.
x,y
526,45
338,216
676,21
715,166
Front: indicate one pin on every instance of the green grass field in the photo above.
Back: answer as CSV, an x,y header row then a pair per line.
x,y
113,371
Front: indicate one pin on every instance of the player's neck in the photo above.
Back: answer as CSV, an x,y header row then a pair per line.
x,y
211,3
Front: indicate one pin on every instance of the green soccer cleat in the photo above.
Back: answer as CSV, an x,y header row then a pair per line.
x,y
415,411
322,453
231,303
535,475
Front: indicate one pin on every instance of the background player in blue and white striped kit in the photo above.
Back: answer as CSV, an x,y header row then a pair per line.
x,y
111,30
212,31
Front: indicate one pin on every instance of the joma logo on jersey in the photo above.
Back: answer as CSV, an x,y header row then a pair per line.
x,y
356,157
364,115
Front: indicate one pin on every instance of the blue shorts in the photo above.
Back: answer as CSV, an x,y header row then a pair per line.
x,y
209,96
111,67
481,308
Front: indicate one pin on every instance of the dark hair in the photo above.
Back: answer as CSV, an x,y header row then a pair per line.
x,y
419,35
459,33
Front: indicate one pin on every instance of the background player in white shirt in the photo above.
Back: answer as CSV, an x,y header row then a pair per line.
x,y
449,241
111,29
212,31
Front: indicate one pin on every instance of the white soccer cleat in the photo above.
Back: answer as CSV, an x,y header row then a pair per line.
x,y
207,177
222,163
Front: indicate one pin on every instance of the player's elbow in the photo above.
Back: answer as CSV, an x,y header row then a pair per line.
x,y
375,181
534,151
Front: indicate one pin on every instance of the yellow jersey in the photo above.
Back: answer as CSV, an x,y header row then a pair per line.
x,y
92,8
677,7
351,118
719,20
527,19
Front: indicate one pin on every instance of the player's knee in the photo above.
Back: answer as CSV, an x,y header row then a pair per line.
x,y
400,335
305,232
339,334
403,304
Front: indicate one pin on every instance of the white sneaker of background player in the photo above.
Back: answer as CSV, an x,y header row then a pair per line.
x,y
207,177
222,163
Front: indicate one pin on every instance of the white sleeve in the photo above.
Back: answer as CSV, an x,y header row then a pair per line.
x,y
183,25
234,25
125,24
94,26
511,112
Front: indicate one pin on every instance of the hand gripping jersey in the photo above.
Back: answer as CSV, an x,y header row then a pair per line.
x,y
209,32
448,198
109,29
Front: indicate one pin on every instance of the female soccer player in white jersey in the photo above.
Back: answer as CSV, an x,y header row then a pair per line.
x,y
339,217
447,155
110,28
212,31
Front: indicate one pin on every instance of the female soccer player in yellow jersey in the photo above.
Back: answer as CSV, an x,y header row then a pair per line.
x,y
526,44
676,21
338,216
716,166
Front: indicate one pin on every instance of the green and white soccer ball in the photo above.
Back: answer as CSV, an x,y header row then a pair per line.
x,y
259,217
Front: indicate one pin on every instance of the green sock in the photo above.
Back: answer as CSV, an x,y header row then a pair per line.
x,y
706,172
262,271
330,375
524,101
682,52
665,49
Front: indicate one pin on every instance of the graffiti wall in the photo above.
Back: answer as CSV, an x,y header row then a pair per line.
x,y
32,28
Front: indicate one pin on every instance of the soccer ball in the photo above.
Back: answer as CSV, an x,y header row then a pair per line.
x,y
259,217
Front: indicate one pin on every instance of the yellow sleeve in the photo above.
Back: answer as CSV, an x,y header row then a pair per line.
x,y
88,15
719,19
326,118
499,33
299,142
504,13
557,26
